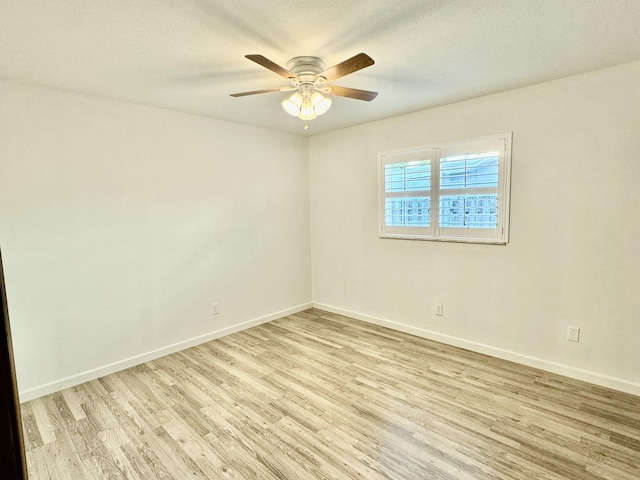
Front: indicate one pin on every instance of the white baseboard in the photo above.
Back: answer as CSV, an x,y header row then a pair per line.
x,y
566,370
52,387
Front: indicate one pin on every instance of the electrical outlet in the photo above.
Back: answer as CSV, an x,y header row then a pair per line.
x,y
215,309
573,334
439,309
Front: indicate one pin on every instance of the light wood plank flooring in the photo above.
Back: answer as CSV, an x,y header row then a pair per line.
x,y
318,396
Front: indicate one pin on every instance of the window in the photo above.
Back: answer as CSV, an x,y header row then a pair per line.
x,y
454,192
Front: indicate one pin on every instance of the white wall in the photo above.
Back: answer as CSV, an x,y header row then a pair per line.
x,y
120,225
573,257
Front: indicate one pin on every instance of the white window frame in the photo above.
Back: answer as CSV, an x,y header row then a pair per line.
x,y
435,232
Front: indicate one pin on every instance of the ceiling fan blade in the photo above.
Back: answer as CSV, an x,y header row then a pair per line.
x,y
268,90
353,64
352,93
274,67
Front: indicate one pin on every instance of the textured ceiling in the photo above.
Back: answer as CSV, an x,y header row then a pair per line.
x,y
188,55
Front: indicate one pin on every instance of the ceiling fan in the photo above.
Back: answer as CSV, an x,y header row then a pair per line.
x,y
308,77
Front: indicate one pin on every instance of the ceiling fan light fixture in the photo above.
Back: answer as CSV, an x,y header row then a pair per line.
x,y
307,110
292,104
306,107
320,103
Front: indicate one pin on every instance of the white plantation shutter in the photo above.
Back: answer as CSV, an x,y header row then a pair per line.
x,y
406,182
457,191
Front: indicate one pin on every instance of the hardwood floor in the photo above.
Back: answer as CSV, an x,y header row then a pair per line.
x,y
317,396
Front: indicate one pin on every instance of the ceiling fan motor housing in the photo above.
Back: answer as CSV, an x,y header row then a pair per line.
x,y
305,65
307,70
